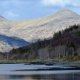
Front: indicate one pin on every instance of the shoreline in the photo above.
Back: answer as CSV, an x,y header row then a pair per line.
x,y
67,63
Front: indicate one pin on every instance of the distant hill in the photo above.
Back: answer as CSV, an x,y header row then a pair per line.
x,y
7,43
41,28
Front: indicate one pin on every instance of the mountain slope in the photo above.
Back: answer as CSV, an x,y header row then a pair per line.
x,y
7,43
64,45
45,27
32,30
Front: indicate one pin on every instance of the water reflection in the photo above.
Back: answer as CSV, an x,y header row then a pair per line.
x,y
72,76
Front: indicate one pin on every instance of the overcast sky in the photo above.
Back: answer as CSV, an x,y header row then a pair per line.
x,y
28,9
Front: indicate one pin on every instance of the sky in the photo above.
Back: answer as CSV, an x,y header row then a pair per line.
x,y
30,9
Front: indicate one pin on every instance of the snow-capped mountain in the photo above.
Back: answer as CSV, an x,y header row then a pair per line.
x,y
31,30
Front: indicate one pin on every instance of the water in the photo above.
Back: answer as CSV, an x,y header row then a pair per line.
x,y
21,72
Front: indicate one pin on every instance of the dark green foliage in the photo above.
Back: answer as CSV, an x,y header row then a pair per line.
x,y
58,34
78,33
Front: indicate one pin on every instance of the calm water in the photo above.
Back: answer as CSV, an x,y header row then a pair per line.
x,y
8,72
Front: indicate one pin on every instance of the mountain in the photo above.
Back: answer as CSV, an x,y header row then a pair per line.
x,y
41,28
45,27
7,43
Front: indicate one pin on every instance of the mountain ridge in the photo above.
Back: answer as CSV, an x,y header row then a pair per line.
x,y
45,25
41,28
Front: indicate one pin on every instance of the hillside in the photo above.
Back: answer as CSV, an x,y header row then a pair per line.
x,y
7,43
65,43
40,28
33,30
45,27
